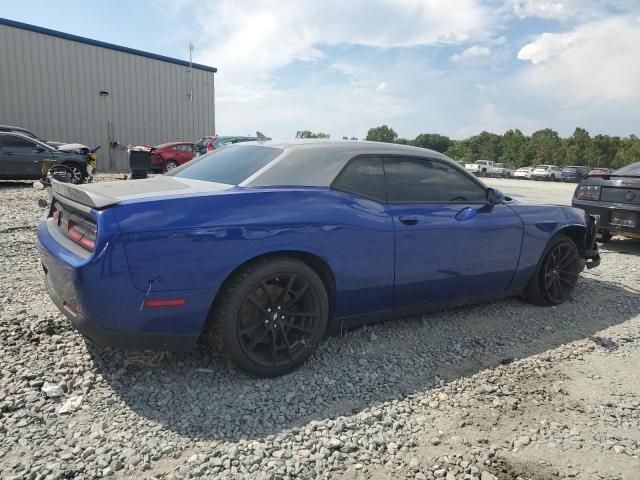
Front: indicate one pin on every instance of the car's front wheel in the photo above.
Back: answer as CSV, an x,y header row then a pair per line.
x,y
271,316
76,172
557,273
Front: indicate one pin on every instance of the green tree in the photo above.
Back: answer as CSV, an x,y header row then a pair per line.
x,y
577,147
382,133
628,151
602,151
308,134
544,146
436,142
514,148
485,146
459,150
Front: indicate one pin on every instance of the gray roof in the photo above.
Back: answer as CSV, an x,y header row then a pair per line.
x,y
317,162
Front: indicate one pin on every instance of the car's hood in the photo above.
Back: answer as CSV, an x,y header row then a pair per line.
x,y
104,194
71,147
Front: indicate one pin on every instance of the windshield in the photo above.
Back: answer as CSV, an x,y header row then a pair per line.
x,y
229,165
631,170
569,169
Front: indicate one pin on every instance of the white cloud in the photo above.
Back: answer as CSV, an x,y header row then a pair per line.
x,y
596,64
472,55
262,36
550,9
568,10
381,86
548,45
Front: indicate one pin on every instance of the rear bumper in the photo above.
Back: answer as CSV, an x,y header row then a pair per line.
x,y
604,210
125,340
96,294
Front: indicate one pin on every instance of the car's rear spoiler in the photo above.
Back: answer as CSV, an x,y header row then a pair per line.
x,y
80,196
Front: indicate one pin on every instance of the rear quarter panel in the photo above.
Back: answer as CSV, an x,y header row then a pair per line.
x,y
197,242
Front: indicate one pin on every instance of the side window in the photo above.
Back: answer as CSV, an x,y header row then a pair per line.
x,y
422,180
16,142
362,176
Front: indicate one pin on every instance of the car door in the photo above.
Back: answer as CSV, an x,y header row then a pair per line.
x,y
185,152
23,157
450,244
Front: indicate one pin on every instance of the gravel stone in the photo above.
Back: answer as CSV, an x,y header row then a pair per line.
x,y
500,390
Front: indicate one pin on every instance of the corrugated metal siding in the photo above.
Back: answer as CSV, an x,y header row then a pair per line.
x,y
51,86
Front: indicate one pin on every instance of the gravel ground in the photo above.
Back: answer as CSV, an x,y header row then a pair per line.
x,y
503,390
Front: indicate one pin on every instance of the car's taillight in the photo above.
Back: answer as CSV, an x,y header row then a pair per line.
x,y
588,192
83,233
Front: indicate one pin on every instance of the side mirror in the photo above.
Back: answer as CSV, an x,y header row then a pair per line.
x,y
494,196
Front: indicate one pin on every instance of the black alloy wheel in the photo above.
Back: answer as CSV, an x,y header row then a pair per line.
x,y
278,320
555,278
271,317
560,273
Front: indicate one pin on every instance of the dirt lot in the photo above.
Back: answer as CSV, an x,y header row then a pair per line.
x,y
503,390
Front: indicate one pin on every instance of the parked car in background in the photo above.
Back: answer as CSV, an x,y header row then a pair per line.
x,y
523,172
30,134
615,198
22,158
482,168
574,173
210,143
503,170
599,172
168,156
248,255
549,173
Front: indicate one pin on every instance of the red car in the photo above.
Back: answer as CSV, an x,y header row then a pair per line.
x,y
168,156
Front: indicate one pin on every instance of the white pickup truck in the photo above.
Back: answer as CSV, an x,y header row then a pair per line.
x,y
482,168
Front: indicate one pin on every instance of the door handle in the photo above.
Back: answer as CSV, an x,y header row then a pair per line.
x,y
8,153
38,161
408,219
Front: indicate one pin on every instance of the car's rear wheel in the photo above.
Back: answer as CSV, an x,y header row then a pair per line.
x,y
271,316
557,273
170,165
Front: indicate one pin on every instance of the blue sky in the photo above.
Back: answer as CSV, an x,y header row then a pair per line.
x,y
454,67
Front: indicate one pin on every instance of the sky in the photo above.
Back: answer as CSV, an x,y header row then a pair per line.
x,y
454,67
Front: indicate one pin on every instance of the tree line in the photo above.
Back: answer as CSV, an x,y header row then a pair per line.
x,y
542,147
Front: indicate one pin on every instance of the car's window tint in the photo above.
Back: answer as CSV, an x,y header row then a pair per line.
x,y
362,176
229,165
422,180
14,141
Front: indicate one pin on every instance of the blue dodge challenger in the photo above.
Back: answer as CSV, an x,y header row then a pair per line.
x,y
263,248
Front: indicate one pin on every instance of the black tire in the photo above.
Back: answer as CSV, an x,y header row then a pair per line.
x,y
269,306
78,173
556,275
552,178
170,165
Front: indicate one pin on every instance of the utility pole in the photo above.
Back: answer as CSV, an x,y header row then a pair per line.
x,y
193,120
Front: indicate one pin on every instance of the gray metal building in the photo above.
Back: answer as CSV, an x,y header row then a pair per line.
x,y
74,89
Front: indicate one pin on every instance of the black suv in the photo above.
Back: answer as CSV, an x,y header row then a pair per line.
x,y
21,158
